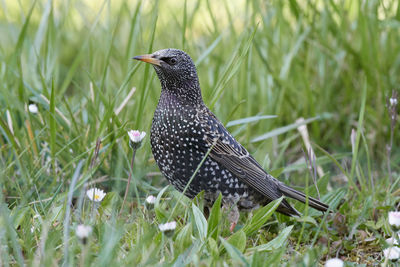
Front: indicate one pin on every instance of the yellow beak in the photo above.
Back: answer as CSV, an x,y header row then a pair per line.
x,y
149,58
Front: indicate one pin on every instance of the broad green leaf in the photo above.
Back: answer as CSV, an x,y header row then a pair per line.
x,y
201,222
187,256
184,237
307,219
213,247
275,243
234,252
238,240
214,219
261,216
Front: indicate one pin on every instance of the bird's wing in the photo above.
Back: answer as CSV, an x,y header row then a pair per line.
x,y
234,157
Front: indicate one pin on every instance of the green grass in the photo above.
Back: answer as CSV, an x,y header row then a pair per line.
x,y
330,62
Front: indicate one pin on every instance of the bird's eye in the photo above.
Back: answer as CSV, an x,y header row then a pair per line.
x,y
172,61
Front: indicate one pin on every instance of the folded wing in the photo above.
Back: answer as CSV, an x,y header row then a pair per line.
x,y
234,157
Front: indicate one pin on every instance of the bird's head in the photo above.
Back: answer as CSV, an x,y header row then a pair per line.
x,y
176,71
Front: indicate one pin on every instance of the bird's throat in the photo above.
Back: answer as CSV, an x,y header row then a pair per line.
x,y
185,93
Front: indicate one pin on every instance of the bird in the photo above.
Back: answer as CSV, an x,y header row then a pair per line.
x,y
186,137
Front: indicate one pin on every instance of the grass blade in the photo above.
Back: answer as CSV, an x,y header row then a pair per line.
x,y
208,50
53,125
287,128
232,67
68,211
249,120
357,141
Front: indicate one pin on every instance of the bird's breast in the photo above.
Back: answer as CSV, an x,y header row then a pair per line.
x,y
177,143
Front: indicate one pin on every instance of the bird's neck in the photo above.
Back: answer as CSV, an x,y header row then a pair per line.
x,y
187,93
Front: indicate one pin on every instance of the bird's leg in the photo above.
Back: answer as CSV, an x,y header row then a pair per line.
x,y
233,225
233,216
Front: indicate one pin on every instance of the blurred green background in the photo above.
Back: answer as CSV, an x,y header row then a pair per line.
x,y
308,59
320,60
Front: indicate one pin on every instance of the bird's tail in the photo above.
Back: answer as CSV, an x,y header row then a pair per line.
x,y
312,202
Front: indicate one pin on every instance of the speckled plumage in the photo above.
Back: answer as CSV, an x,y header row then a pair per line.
x,y
184,129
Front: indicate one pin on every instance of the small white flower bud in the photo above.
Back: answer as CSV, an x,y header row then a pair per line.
x,y
33,108
335,262
169,226
151,199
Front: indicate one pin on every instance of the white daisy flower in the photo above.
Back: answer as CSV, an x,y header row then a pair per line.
x,y
335,262
95,194
136,136
394,218
392,253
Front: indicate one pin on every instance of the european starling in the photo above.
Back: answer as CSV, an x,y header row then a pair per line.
x,y
184,129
